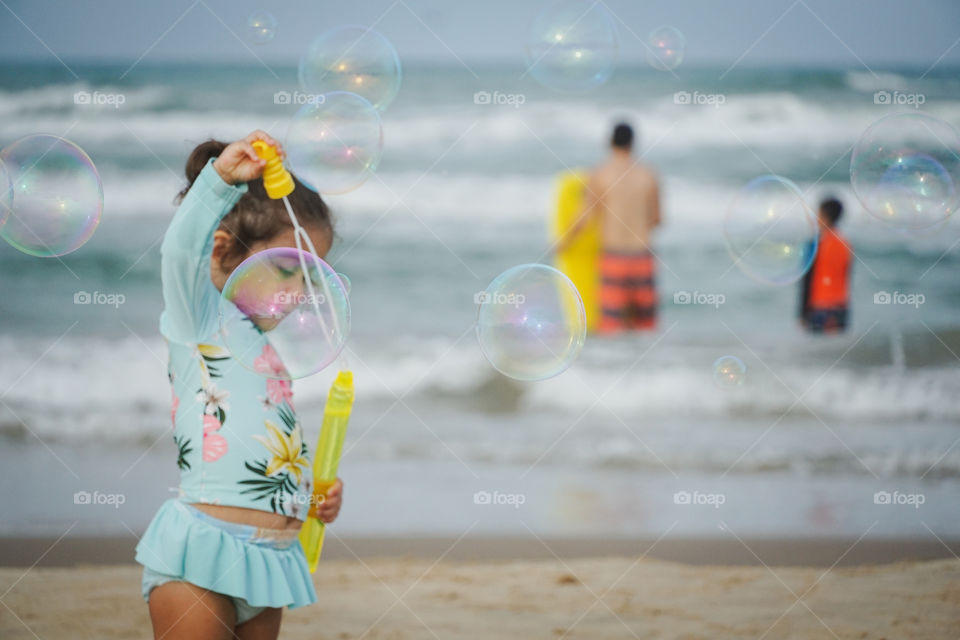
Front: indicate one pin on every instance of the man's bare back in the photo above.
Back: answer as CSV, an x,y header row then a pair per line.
x,y
626,196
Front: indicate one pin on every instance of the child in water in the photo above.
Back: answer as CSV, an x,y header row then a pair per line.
x,y
825,292
223,558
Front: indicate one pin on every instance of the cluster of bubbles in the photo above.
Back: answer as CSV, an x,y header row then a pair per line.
x,y
572,46
284,313
904,170
52,197
729,372
349,74
531,322
666,47
770,231
263,26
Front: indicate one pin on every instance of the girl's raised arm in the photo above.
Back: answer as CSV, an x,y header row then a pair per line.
x,y
189,297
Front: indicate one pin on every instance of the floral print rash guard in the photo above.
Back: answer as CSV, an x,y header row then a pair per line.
x,y
238,439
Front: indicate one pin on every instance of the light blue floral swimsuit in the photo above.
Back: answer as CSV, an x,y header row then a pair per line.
x,y
236,431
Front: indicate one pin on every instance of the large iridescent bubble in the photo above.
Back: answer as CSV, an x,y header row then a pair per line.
x,y
55,196
770,231
905,170
666,48
276,325
355,59
334,144
572,46
531,322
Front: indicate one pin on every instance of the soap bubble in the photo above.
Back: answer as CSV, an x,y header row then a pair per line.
x,y
770,231
55,196
729,372
6,194
271,322
346,282
355,59
905,169
572,46
666,47
263,26
335,143
531,323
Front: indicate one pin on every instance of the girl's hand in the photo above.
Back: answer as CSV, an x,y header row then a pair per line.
x,y
239,162
328,510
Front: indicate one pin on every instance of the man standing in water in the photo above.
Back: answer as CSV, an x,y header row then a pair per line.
x,y
625,195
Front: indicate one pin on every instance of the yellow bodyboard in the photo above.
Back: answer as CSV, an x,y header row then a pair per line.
x,y
580,260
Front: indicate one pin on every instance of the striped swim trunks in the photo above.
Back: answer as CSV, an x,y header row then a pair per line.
x,y
628,294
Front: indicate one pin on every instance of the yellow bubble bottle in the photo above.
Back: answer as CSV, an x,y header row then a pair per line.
x,y
326,460
276,179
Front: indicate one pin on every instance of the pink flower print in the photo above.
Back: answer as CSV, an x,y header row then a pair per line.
x,y
174,403
214,444
269,362
279,391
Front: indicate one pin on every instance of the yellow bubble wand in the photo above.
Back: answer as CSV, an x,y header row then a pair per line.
x,y
336,413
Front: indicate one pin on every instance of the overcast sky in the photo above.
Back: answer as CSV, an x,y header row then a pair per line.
x,y
854,33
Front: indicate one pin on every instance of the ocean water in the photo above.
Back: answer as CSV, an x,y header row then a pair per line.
x,y
463,192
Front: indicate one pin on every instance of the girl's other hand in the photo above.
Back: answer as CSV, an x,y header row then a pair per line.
x,y
328,510
239,161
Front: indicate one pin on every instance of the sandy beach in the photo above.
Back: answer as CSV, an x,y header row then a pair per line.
x,y
615,597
